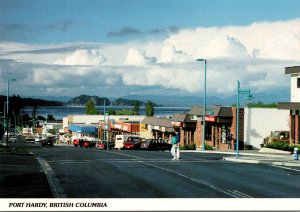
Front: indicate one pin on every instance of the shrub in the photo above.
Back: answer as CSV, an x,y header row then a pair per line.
x,y
248,147
282,146
188,147
207,147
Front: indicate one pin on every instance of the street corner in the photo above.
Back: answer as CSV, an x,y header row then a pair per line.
x,y
241,159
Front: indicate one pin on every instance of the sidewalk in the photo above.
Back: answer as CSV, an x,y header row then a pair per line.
x,y
21,176
268,157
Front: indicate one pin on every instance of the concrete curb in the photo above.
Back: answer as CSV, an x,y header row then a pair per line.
x,y
57,190
240,153
267,162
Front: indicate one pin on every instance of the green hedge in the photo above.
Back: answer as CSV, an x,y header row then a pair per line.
x,y
207,147
188,147
282,146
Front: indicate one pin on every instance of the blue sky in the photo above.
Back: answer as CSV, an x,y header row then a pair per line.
x,y
49,21
141,47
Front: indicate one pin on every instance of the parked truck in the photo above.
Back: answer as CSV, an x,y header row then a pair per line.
x,y
277,136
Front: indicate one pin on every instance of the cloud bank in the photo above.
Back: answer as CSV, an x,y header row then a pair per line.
x,y
255,54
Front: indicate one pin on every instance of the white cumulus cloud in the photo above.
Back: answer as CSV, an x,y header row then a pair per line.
x,y
256,55
83,57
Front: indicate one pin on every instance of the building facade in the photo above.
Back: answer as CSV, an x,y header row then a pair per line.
x,y
220,130
294,105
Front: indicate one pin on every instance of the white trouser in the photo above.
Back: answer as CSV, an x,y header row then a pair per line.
x,y
175,151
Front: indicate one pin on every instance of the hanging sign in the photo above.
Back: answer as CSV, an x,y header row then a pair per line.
x,y
210,118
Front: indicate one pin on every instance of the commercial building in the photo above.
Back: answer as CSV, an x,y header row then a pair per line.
x,y
294,105
220,130
94,126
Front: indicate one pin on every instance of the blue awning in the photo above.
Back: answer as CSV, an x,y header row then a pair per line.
x,y
82,129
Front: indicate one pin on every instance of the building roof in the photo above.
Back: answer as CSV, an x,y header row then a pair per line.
x,y
292,70
178,117
289,105
215,111
157,121
83,128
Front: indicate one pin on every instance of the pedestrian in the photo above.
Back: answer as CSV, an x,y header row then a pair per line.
x,y
177,142
175,148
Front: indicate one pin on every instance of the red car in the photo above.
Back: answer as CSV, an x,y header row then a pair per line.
x,y
83,143
132,143
103,145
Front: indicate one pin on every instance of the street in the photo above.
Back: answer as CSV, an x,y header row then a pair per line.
x,y
93,173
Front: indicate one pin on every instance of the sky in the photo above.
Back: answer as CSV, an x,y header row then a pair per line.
x,y
116,48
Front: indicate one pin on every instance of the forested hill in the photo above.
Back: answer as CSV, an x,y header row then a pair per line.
x,y
83,99
99,101
40,102
129,102
24,102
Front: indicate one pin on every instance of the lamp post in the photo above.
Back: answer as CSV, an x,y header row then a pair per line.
x,y
204,103
249,96
46,122
7,109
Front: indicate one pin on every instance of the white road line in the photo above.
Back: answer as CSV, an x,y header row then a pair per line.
x,y
283,167
240,194
189,178
118,153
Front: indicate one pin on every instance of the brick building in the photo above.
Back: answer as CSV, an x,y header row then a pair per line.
x,y
294,105
220,127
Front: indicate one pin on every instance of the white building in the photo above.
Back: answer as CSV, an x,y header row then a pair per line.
x,y
259,122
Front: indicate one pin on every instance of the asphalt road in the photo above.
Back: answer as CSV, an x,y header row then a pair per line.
x,y
93,173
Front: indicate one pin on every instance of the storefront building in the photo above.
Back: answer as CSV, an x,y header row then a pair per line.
x,y
220,130
186,127
294,105
156,127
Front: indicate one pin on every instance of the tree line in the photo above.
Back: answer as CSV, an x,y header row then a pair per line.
x,y
13,114
91,110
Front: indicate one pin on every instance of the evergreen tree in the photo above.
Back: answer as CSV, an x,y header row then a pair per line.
x,y
136,108
90,108
149,108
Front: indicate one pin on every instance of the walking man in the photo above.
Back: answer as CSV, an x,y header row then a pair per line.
x,y
175,146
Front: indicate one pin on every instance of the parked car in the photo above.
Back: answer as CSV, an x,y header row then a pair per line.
x,y
103,145
12,139
155,144
84,143
121,139
47,141
30,139
132,143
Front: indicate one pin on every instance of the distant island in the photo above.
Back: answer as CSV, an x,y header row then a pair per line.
x,y
99,101
77,101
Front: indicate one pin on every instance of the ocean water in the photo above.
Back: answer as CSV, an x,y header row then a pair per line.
x,y
63,111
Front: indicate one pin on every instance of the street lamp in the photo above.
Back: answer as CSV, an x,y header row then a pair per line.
x,y
7,107
249,97
46,130
204,103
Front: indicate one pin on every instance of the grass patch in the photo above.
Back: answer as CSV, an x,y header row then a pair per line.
x,y
12,149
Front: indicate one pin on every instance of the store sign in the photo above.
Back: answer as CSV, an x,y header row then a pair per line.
x,y
176,123
156,127
118,126
210,118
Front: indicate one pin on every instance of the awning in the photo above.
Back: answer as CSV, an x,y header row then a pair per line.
x,y
82,129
